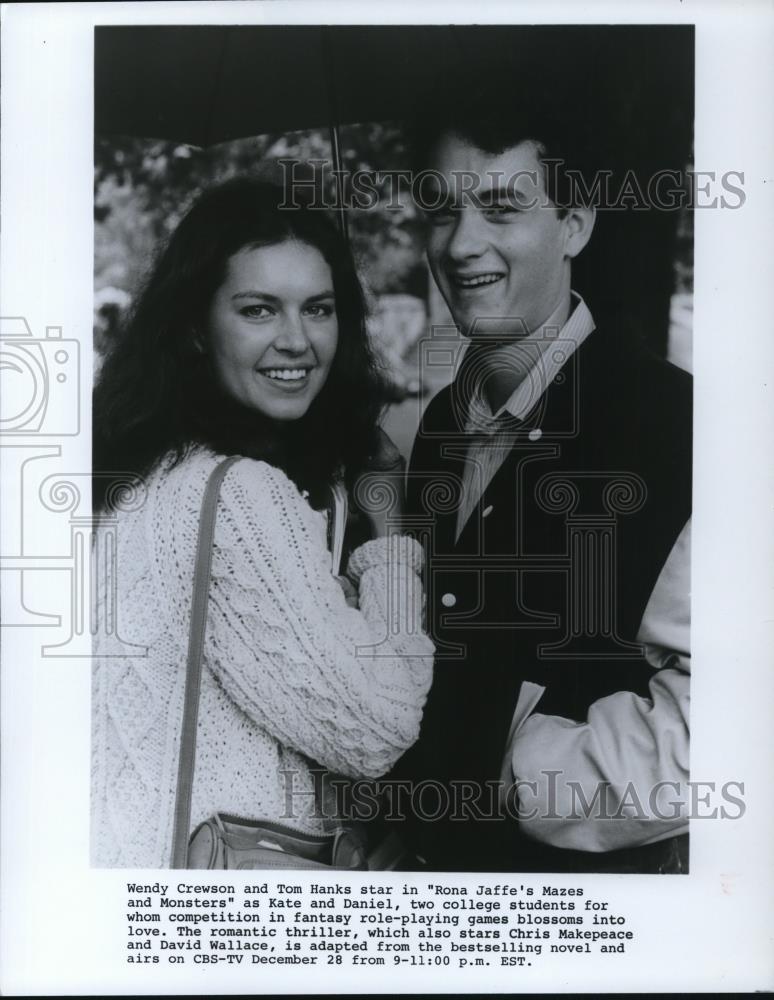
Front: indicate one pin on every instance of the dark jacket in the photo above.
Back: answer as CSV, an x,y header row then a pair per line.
x,y
549,579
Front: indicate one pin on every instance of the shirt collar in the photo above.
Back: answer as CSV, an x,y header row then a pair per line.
x,y
543,352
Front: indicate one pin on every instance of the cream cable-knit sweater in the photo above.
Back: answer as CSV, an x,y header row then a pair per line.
x,y
287,678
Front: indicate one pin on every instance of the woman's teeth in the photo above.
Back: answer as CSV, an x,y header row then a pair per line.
x,y
286,374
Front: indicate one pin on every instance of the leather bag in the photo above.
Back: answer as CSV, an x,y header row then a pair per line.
x,y
224,841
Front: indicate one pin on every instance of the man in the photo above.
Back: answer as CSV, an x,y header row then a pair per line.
x,y
551,483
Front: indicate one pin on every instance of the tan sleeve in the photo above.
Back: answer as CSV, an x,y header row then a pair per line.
x,y
619,779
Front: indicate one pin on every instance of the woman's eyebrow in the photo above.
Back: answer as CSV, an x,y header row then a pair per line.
x,y
255,295
252,294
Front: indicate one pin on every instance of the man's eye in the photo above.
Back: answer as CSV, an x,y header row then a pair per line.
x,y
501,211
256,311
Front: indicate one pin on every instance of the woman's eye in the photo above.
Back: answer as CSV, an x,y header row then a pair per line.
x,y
256,311
439,216
319,310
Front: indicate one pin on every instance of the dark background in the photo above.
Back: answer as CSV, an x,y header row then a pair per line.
x,y
177,108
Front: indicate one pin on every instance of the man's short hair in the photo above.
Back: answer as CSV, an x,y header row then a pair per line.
x,y
495,120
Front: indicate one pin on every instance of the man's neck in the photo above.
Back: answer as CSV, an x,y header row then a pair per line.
x,y
505,367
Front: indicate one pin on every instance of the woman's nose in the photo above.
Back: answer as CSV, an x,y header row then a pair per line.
x,y
467,237
292,336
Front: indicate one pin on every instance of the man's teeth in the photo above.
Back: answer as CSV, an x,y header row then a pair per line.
x,y
479,279
286,374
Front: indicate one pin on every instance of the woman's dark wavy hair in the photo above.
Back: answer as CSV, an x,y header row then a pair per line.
x,y
158,393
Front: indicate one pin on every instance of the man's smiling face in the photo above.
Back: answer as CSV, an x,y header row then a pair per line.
x,y
500,254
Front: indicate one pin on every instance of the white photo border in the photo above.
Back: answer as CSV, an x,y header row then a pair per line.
x,y
63,924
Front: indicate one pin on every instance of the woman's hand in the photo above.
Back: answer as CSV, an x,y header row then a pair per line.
x,y
350,590
380,492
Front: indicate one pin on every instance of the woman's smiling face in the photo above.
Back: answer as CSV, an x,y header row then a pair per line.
x,y
273,329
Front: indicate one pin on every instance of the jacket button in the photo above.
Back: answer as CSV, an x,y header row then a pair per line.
x,y
448,600
535,434
487,511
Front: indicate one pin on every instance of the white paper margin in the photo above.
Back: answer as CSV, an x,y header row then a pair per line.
x,y
63,926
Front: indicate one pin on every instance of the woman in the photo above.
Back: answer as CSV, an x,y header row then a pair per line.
x,y
248,340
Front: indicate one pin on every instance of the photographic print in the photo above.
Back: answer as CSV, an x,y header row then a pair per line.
x,y
376,409
548,479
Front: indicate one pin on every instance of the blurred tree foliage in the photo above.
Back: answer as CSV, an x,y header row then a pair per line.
x,y
143,187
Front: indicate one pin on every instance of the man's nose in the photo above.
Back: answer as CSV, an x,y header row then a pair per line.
x,y
292,336
467,239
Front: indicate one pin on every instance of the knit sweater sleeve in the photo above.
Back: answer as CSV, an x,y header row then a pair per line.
x,y
343,686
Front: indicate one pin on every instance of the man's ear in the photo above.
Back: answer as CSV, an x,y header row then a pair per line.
x,y
578,226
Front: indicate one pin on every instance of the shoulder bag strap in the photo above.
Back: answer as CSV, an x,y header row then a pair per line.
x,y
338,510
337,524
201,587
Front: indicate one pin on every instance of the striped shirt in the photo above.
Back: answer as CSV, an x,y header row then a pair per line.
x,y
534,361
